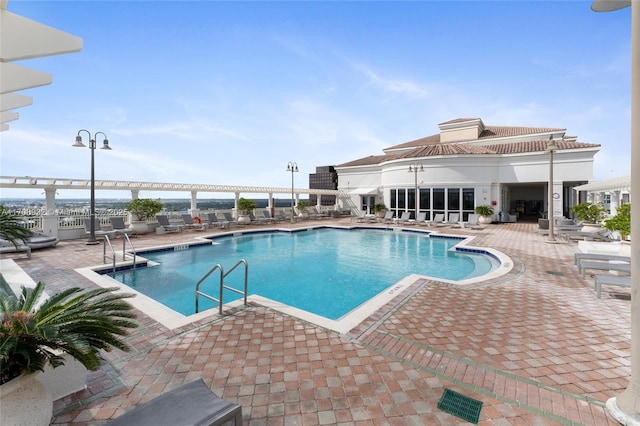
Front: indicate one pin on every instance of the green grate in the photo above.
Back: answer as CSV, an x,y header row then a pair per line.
x,y
460,406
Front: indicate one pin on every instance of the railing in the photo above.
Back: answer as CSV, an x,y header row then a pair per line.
x,y
222,285
112,256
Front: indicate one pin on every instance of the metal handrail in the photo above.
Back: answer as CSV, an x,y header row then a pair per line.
x,y
222,286
105,256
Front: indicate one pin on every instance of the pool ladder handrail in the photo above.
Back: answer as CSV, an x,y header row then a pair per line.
x,y
222,285
105,256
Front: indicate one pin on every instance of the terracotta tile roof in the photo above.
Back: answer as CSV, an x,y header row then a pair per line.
x,y
489,132
457,148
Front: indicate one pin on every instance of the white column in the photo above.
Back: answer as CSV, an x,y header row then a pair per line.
x,y
615,202
629,401
193,211
134,194
50,218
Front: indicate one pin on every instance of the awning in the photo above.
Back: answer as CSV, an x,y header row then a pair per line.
x,y
364,191
616,184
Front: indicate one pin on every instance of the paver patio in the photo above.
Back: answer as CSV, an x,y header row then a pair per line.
x,y
536,346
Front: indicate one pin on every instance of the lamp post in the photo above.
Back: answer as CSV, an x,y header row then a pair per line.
x,y
92,146
292,167
551,146
626,407
415,168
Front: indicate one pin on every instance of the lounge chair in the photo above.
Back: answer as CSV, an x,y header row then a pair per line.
x,y
190,404
117,223
422,217
454,218
268,218
163,221
230,220
255,220
388,216
437,220
214,221
191,224
615,280
363,217
473,222
403,219
602,266
98,232
601,235
282,216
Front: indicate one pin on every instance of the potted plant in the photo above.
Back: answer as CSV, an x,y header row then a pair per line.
x,y
302,208
485,212
621,222
592,213
379,209
244,207
11,228
143,209
34,332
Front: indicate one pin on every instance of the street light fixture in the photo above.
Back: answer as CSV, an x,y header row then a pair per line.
x,y
551,146
92,146
415,168
292,167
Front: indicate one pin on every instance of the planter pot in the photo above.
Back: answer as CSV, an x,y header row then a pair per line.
x,y
25,401
140,227
303,215
244,218
381,214
485,219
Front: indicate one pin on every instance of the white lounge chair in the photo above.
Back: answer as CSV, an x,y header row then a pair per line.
x,y
601,235
117,223
473,222
214,221
230,220
454,218
403,219
437,219
98,232
422,217
388,216
578,257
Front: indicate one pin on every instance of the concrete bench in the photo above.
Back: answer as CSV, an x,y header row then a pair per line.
x,y
603,266
610,280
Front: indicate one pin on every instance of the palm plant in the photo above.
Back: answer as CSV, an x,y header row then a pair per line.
x,y
75,321
11,228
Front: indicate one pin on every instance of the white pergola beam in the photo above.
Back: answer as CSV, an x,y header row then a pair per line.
x,y
14,78
7,116
22,38
9,101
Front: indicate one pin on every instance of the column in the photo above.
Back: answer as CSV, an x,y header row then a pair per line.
x,y
50,218
193,211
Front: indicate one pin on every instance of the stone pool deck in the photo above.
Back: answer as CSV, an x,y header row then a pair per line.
x,y
536,346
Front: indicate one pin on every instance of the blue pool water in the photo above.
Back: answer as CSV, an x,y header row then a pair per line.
x,y
325,271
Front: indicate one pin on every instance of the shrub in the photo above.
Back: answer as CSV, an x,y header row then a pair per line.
x,y
379,208
590,212
484,210
245,205
144,208
621,222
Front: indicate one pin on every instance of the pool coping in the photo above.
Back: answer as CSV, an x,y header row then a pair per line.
x,y
172,319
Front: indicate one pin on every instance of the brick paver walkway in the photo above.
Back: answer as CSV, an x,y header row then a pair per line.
x,y
535,346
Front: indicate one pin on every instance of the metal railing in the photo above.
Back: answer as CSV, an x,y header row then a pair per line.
x,y
222,285
112,256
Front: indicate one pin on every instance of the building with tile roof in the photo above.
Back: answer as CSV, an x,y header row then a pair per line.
x,y
468,164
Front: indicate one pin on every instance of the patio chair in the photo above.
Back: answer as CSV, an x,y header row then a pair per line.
x,y
230,220
403,219
255,220
268,218
191,224
454,218
437,220
578,257
214,221
422,217
190,404
97,229
473,222
600,235
163,221
117,223
388,216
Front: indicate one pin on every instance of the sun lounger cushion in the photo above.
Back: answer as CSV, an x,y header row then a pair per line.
x,y
190,404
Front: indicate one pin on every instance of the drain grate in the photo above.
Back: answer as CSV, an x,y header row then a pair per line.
x,y
460,406
555,273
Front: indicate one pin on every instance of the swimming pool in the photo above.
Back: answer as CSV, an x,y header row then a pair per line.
x,y
325,271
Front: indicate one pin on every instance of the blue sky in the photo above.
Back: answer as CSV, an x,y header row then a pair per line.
x,y
228,92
